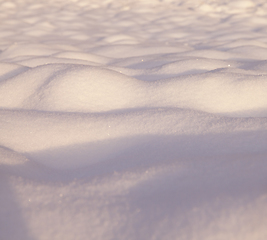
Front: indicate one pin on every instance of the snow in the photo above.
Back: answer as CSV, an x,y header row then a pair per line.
x,y
137,119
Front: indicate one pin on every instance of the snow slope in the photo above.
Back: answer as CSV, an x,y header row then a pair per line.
x,y
133,120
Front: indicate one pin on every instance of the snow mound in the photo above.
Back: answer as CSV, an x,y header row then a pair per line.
x,y
81,88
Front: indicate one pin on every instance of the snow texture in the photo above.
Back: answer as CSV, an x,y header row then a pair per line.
x,y
133,120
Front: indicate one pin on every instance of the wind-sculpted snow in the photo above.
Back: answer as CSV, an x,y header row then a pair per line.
x,y
133,120
81,88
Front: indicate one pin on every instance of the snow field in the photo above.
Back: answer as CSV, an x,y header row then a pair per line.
x,y
133,120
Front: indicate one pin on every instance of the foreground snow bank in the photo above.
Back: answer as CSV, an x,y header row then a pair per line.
x,y
133,120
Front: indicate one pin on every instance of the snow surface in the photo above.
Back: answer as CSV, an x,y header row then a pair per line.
x,y
133,120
